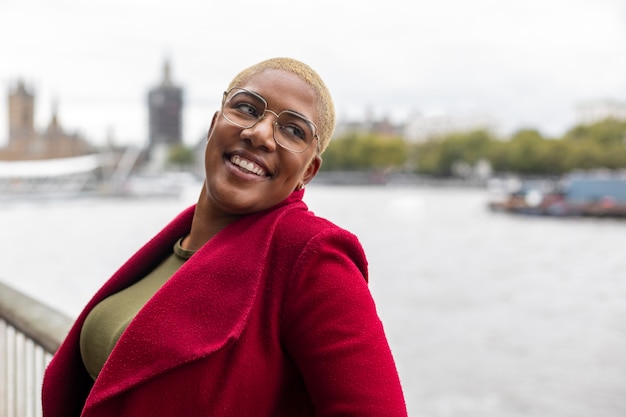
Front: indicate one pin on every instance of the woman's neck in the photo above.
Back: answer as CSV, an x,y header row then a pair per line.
x,y
205,224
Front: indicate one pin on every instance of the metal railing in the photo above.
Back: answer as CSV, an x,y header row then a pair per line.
x,y
30,333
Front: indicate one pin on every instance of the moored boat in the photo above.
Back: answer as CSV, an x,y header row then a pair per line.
x,y
574,195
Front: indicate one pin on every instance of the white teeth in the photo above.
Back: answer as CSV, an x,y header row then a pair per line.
x,y
247,165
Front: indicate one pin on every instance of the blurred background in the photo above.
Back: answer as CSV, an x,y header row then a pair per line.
x,y
479,155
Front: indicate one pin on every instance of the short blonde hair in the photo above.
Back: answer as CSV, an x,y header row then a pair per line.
x,y
325,107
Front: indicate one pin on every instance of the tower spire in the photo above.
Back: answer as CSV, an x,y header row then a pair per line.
x,y
167,80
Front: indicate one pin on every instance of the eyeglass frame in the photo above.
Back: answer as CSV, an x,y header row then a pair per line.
x,y
274,123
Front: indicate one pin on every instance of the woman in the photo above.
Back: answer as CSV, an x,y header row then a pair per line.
x,y
246,304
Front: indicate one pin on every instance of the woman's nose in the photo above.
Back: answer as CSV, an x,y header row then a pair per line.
x,y
262,133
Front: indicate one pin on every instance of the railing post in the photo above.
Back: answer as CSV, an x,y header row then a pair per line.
x,y
30,333
4,369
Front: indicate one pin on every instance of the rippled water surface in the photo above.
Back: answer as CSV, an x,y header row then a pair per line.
x,y
487,314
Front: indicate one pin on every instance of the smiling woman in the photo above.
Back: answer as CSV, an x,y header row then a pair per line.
x,y
232,189
246,303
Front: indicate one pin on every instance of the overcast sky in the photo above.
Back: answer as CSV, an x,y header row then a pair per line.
x,y
522,63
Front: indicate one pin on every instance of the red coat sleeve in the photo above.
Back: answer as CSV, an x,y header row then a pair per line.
x,y
332,331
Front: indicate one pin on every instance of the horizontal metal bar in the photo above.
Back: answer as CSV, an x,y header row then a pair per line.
x,y
46,326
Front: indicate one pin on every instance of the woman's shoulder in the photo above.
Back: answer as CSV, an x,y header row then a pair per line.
x,y
299,218
298,225
311,238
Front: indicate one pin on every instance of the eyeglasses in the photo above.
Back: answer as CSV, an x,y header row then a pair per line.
x,y
245,109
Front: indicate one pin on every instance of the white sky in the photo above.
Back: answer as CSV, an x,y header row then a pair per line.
x,y
523,63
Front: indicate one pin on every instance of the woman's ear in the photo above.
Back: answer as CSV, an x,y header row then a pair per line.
x,y
312,169
208,136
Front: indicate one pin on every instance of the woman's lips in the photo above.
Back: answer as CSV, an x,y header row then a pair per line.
x,y
248,165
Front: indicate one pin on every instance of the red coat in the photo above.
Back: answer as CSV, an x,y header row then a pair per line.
x,y
271,317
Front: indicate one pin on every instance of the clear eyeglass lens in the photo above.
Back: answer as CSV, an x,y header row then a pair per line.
x,y
244,108
291,131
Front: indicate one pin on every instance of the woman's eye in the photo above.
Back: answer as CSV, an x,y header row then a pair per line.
x,y
247,109
294,131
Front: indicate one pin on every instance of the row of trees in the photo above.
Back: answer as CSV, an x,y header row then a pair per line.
x,y
584,147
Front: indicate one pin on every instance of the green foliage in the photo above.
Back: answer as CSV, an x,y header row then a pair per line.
x,y
357,151
608,132
598,145
438,157
180,155
530,153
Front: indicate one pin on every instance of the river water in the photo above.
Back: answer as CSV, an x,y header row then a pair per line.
x,y
487,314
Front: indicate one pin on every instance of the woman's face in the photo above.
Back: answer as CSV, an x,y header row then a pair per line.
x,y
246,171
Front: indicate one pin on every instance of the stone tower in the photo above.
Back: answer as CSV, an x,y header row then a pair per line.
x,y
25,142
165,105
21,113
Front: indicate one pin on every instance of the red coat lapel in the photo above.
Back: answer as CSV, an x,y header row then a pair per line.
x,y
214,290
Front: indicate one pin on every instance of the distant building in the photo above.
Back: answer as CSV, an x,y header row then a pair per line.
x,y
598,110
25,142
165,108
21,113
382,126
421,128
417,128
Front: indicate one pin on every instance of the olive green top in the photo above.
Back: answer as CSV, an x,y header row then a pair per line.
x,y
107,321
